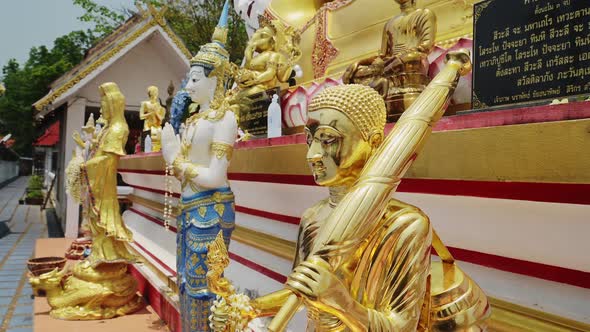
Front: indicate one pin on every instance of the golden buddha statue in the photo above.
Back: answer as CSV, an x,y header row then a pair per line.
x,y
152,114
400,71
363,258
100,286
269,58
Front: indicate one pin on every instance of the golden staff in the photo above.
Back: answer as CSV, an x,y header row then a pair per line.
x,y
356,215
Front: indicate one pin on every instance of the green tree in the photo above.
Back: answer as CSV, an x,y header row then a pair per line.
x,y
105,19
195,20
28,83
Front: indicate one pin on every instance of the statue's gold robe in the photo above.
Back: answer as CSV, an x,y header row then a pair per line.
x,y
388,273
109,232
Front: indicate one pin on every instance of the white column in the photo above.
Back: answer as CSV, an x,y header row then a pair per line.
x,y
48,153
74,121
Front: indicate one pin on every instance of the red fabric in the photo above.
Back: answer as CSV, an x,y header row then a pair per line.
x,y
50,137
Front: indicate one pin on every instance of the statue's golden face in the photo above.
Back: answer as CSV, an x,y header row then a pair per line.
x,y
263,39
337,151
152,92
105,108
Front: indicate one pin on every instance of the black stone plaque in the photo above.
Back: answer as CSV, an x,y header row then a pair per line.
x,y
530,50
255,119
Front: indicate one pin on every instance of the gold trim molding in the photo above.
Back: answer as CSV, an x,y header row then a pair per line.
x,y
547,152
53,95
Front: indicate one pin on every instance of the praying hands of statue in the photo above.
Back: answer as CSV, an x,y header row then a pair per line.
x,y
78,139
170,144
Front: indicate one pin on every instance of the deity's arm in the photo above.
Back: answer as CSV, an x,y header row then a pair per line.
x,y
78,139
143,112
213,175
387,42
426,30
248,54
284,68
270,71
270,304
160,114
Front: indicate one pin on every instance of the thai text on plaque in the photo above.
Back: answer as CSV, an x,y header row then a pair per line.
x,y
530,50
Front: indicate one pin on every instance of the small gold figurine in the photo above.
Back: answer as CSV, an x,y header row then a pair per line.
x,y
152,114
100,287
400,72
363,258
269,58
217,261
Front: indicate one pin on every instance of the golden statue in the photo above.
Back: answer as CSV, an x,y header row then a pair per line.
x,y
100,286
363,258
269,59
400,72
2,89
152,114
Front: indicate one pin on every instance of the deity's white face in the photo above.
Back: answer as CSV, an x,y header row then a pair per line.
x,y
200,87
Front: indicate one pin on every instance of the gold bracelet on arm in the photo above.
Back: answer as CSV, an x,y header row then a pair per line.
x,y
220,149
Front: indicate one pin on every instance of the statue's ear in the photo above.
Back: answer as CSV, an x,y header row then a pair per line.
x,y
375,140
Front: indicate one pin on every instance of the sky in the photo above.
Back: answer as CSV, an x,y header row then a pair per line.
x,y
28,23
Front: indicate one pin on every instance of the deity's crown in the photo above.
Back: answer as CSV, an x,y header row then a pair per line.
x,y
361,104
89,127
214,53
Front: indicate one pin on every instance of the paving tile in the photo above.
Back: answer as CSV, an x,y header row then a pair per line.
x,y
8,284
8,292
3,311
25,300
21,320
5,300
23,310
13,277
21,329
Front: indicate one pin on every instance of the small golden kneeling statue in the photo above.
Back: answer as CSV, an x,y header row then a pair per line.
x,y
100,286
400,72
363,258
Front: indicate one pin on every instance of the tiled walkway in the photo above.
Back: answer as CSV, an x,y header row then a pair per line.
x,y
26,225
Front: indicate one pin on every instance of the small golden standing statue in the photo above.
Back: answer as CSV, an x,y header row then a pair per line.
x,y
363,258
269,58
152,114
101,286
400,72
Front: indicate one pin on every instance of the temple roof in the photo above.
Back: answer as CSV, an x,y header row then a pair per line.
x,y
136,28
50,137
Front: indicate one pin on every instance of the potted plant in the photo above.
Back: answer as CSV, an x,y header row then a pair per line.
x,y
34,194
34,197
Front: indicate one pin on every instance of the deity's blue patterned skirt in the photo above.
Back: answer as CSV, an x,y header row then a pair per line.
x,y
203,215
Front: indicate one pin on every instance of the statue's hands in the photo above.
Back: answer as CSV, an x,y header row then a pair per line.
x,y
219,319
170,144
321,288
